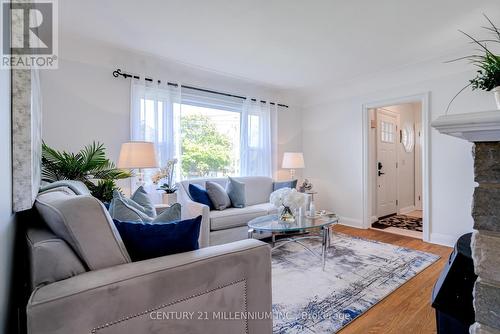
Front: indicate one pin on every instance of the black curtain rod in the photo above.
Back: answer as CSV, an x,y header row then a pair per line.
x,y
118,72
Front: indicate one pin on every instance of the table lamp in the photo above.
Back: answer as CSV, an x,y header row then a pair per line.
x,y
293,161
138,155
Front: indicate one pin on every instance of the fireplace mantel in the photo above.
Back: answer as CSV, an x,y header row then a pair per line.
x,y
475,127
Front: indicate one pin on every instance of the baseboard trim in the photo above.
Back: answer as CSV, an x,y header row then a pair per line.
x,y
406,210
351,222
443,239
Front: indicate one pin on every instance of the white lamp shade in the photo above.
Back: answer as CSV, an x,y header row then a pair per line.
x,y
137,154
293,160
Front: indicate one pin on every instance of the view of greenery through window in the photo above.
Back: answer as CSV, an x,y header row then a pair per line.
x,y
209,141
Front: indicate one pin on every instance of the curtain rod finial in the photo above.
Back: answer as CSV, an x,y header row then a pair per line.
x,y
117,72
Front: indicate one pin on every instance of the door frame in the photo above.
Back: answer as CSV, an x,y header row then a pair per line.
x,y
424,99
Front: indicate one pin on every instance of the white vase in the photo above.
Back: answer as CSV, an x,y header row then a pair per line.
x,y
169,199
496,91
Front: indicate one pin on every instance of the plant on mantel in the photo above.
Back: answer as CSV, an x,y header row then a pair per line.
x,y
488,63
89,166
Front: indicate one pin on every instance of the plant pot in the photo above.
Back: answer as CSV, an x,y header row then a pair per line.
x,y
169,199
496,91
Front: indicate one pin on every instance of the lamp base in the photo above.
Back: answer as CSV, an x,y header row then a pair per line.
x,y
139,179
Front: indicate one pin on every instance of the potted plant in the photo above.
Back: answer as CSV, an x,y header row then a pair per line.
x,y
89,166
168,187
488,63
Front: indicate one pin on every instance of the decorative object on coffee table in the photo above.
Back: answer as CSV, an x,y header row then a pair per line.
x,y
288,201
138,155
293,161
168,187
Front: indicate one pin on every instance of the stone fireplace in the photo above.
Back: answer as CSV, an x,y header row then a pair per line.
x,y
483,129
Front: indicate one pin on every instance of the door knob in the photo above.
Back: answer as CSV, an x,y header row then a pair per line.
x,y
380,173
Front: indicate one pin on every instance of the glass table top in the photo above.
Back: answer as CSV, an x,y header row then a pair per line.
x,y
271,223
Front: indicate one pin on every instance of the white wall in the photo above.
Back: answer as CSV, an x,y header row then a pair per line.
x,y
6,217
332,144
83,102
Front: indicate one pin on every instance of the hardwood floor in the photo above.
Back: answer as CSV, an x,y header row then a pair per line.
x,y
416,214
408,309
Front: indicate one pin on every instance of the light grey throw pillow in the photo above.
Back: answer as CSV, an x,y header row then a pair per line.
x,y
140,196
170,214
217,195
236,192
126,210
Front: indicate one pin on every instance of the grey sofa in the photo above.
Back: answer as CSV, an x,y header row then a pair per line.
x,y
219,227
83,281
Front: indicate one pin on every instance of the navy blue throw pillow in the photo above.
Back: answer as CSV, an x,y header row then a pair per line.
x,y
149,240
292,184
200,195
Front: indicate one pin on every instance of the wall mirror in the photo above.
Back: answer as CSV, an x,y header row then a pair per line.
x,y
408,138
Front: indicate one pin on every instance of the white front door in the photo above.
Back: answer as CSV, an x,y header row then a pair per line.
x,y
387,139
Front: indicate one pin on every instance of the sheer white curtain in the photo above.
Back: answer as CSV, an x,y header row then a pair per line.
x,y
152,119
257,138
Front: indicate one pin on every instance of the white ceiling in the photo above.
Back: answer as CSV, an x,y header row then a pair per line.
x,y
289,44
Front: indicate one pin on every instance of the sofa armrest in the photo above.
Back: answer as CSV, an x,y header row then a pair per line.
x,y
193,292
192,209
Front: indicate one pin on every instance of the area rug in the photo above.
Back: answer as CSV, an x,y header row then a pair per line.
x,y
358,274
400,221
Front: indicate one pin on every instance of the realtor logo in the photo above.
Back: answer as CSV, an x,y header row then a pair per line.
x,y
30,34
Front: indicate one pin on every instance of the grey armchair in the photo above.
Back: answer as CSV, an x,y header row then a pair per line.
x,y
84,282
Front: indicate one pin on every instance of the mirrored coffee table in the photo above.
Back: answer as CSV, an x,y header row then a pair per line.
x,y
271,224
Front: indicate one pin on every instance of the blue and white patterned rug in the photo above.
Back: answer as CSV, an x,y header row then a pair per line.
x,y
358,274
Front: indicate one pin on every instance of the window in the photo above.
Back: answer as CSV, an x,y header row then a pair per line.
x,y
387,132
211,135
209,141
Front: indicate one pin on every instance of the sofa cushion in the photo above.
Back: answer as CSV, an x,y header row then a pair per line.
x,y
141,197
257,189
200,195
218,195
234,217
270,208
146,241
84,223
50,258
237,193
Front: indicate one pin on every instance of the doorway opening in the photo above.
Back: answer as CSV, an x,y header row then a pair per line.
x,y
396,168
